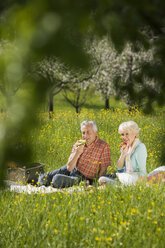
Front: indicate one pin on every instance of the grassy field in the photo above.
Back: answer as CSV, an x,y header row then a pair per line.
x,y
130,216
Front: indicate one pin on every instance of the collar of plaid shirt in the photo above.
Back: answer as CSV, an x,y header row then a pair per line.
x,y
93,143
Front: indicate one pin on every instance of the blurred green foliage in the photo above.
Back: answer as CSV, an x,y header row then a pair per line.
x,y
45,27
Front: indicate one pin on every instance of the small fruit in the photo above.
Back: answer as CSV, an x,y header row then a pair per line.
x,y
80,142
123,145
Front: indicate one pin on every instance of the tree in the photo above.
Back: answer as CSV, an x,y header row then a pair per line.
x,y
137,22
56,74
107,58
61,76
118,72
11,76
77,90
76,95
126,82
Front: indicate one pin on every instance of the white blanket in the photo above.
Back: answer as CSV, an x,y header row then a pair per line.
x,y
127,179
29,189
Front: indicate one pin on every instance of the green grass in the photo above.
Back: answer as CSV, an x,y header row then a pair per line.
x,y
131,216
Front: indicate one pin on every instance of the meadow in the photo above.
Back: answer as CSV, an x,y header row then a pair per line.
x,y
128,216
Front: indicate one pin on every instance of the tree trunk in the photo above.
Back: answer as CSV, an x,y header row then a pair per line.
x,y
77,109
77,101
50,105
106,103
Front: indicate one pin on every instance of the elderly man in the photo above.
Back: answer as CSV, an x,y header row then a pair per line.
x,y
86,162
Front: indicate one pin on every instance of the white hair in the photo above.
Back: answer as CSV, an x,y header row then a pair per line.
x,y
93,123
129,126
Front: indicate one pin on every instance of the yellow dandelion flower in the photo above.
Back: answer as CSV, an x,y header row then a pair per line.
x,y
109,239
133,211
97,238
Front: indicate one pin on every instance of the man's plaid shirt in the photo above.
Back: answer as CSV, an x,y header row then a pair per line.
x,y
94,157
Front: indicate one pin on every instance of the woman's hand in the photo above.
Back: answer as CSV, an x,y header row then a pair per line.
x,y
124,148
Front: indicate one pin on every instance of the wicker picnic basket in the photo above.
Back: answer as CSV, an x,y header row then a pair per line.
x,y
28,173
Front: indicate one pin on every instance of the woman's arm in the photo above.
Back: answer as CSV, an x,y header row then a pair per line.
x,y
120,162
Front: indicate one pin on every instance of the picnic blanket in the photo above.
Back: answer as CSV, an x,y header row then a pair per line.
x,y
155,176
29,189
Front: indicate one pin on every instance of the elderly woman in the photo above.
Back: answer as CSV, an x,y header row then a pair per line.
x,y
132,161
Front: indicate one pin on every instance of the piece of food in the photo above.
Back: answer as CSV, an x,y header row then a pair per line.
x,y
80,142
123,145
12,164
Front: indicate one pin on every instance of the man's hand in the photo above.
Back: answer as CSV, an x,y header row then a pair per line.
x,y
71,164
79,150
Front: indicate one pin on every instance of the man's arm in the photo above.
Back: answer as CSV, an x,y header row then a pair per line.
x,y
72,161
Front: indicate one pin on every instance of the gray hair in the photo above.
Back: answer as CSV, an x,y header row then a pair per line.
x,y
93,123
129,126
